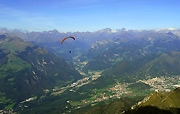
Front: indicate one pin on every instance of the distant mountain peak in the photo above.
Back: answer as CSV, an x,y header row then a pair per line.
x,y
52,31
55,30
105,30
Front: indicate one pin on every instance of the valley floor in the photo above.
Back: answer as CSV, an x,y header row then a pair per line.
x,y
118,90
111,92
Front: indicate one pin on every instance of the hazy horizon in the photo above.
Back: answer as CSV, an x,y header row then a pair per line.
x,y
112,30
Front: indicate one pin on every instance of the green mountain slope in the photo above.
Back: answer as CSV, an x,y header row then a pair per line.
x,y
27,70
153,65
163,100
148,110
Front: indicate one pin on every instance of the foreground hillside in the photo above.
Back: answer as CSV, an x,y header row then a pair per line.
x,y
158,103
162,100
27,71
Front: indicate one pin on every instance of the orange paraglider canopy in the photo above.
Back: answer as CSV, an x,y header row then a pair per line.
x,y
67,38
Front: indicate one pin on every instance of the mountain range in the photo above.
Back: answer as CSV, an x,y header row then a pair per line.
x,y
51,39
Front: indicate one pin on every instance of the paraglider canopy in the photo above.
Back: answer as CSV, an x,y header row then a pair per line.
x,y
67,38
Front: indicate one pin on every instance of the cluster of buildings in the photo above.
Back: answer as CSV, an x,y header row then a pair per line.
x,y
162,83
119,90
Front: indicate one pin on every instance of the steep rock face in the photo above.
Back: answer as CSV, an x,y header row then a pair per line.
x,y
96,49
26,70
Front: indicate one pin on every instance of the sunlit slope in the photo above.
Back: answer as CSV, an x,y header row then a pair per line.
x,y
158,103
27,70
163,100
150,110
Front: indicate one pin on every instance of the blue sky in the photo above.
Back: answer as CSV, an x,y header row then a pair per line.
x,y
89,15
